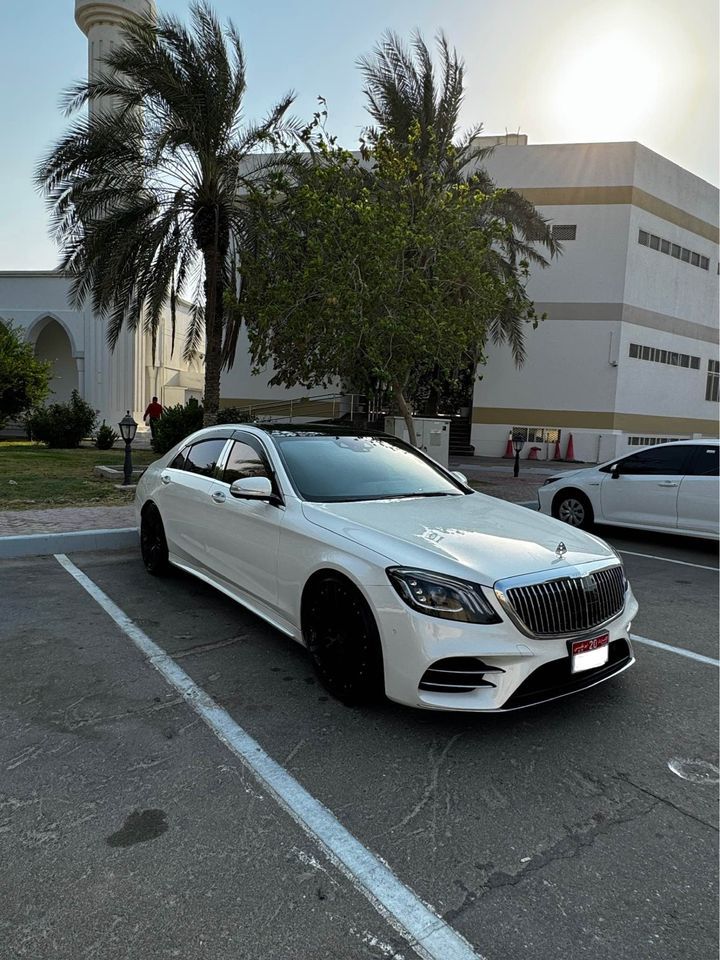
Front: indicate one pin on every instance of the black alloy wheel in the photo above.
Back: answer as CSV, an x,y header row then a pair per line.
x,y
153,544
573,508
343,641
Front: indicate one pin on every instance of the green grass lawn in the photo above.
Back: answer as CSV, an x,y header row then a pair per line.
x,y
33,477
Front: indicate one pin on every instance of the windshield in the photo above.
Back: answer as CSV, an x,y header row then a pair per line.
x,y
328,469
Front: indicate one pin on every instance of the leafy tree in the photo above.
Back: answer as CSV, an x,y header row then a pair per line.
x,y
147,198
362,272
24,380
418,108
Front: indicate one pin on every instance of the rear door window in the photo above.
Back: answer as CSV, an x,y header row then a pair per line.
x,y
202,457
704,462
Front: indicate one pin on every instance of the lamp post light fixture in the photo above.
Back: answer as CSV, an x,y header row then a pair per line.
x,y
518,442
128,429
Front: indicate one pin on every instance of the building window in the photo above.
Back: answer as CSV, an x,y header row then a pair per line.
x,y
649,441
564,231
665,246
642,352
713,378
537,434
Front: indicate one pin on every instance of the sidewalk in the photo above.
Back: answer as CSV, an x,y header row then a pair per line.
x,y
15,523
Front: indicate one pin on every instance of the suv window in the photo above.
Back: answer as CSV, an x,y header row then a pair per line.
x,y
244,461
667,460
202,457
704,462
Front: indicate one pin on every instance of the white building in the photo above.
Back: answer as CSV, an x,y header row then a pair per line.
x,y
75,340
629,352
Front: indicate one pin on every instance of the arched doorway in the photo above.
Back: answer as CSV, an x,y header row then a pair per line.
x,y
53,344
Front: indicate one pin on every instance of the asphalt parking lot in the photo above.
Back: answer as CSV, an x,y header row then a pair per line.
x,y
128,828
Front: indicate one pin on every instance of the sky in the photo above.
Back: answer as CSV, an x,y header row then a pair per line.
x,y
560,71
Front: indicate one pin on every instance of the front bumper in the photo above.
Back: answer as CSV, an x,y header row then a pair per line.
x,y
531,670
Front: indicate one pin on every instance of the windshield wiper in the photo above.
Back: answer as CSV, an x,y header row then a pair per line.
x,y
430,493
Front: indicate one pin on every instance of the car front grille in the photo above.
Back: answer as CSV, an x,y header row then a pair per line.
x,y
569,604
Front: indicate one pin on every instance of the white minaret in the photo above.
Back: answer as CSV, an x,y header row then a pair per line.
x,y
119,378
101,21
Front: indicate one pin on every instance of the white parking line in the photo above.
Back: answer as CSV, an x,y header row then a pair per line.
x,y
683,563
428,934
679,650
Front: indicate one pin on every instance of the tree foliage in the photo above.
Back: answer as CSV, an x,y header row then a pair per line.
x,y
24,379
364,270
416,104
146,198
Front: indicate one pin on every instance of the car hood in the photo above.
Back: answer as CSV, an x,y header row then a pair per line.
x,y
473,536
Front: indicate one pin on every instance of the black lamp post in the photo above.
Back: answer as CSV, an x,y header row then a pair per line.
x,y
518,442
128,429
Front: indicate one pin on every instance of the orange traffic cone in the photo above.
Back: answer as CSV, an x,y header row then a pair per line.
x,y
509,452
570,452
557,455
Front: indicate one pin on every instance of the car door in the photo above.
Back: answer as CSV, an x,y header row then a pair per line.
x,y
699,494
184,498
642,489
243,536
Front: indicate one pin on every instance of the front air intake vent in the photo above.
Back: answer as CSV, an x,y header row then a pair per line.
x,y
458,675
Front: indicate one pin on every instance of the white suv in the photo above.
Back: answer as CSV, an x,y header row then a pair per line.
x,y
670,488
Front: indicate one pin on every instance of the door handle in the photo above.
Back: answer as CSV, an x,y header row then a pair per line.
x,y
668,483
165,477
218,496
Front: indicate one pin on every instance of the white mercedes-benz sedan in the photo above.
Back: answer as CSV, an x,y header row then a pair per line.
x,y
668,488
394,573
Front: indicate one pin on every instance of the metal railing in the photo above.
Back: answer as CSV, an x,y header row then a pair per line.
x,y
288,409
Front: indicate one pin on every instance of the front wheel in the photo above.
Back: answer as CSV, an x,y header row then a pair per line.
x,y
343,641
153,544
573,508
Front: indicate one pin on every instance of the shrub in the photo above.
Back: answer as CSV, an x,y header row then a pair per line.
x,y
175,424
62,424
105,437
234,415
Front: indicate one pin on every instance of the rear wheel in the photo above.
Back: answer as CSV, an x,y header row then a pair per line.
x,y
153,544
573,508
343,641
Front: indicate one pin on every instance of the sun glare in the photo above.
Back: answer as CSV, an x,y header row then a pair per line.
x,y
607,88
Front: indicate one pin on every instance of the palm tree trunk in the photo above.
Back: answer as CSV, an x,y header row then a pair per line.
x,y
404,410
214,292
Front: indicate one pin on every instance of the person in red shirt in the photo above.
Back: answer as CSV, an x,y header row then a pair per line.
x,y
152,415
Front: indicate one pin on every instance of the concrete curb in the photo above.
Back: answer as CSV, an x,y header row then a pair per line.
x,y
41,544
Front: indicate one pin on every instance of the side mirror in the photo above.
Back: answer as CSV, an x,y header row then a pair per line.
x,y
615,471
252,488
459,476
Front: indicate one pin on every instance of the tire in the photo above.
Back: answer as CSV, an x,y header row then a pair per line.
x,y
573,508
343,641
153,544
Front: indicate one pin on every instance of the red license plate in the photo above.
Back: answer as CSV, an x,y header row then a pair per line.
x,y
586,654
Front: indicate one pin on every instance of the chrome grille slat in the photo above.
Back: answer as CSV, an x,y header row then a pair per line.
x,y
567,605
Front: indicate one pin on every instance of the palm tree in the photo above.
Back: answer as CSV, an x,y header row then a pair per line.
x,y
146,197
419,110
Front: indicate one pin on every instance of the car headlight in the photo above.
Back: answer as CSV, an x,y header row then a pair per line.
x,y
441,596
551,480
